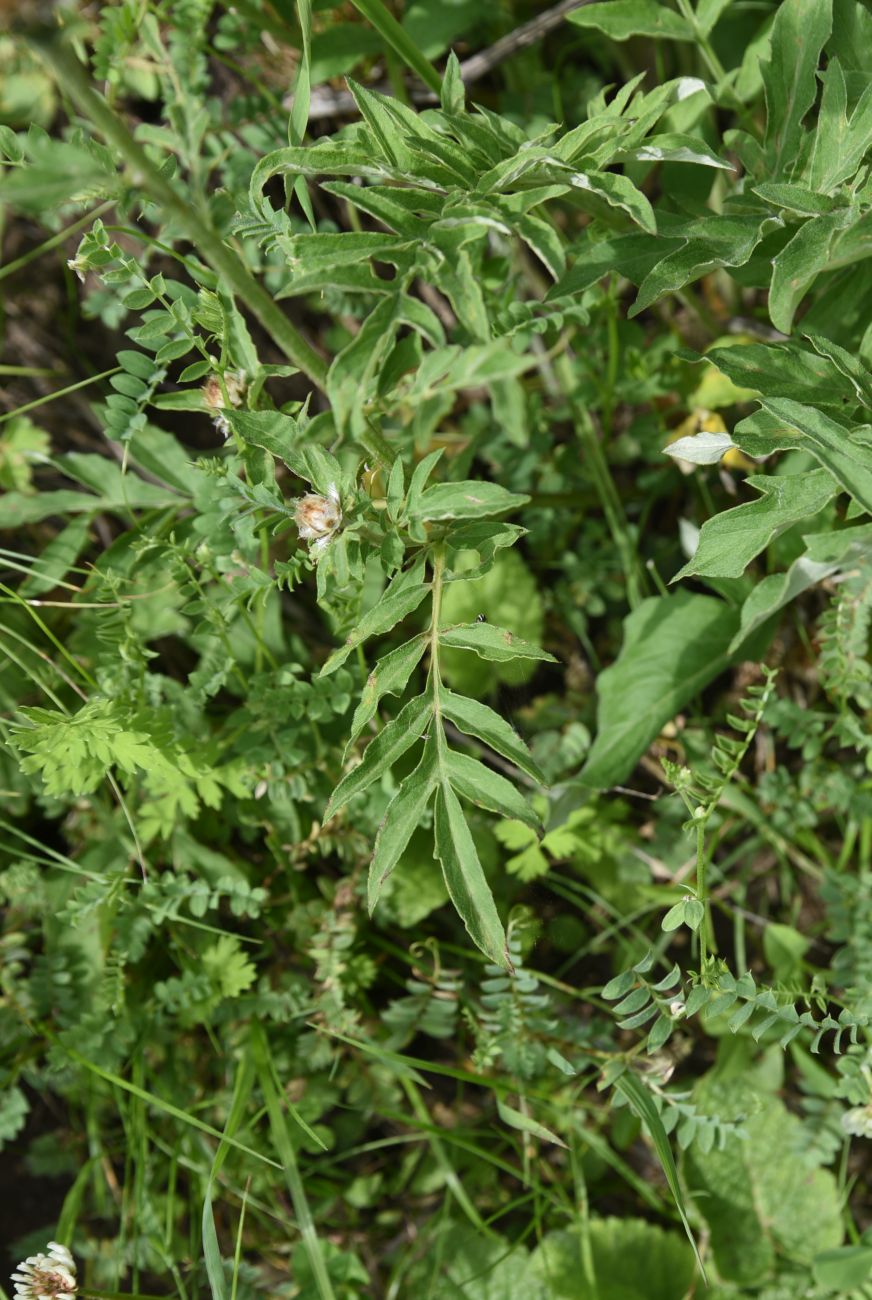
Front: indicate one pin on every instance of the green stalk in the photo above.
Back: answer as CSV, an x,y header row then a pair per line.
x,y
391,31
72,78
606,490
11,267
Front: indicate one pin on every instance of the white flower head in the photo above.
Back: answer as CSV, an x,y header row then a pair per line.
x,y
318,518
235,384
858,1121
46,1277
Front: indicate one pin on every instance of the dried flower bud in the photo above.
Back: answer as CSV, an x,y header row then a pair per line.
x,y
46,1277
213,396
676,1008
318,518
79,265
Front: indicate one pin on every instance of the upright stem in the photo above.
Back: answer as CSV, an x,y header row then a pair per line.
x,y
72,77
435,679
606,490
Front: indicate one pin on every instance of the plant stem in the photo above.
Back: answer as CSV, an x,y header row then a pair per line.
x,y
55,49
11,267
606,490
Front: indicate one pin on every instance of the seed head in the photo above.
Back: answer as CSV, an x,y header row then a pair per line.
x,y
318,518
47,1277
213,397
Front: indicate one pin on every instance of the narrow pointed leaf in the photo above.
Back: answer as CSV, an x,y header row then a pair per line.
x,y
477,719
389,745
401,820
464,878
481,785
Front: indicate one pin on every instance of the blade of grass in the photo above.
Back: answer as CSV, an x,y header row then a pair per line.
x,y
159,1104
282,1139
391,31
642,1103
211,1251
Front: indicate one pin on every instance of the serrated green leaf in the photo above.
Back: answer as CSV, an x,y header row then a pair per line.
x,y
491,642
784,424
464,878
790,78
382,752
401,820
483,786
621,19
279,434
389,677
477,719
472,499
403,595
763,1197
730,541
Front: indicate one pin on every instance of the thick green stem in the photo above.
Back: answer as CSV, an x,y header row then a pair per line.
x,y
73,79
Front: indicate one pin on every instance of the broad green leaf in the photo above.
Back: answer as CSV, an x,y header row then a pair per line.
x,y
382,752
483,786
464,878
526,1124
492,642
632,256
621,19
506,590
477,719
843,363
402,595
843,1269
764,1198
790,79
402,818
784,424
277,433
56,558
454,368
632,1260
730,541
800,262
616,191
673,647
711,242
643,1104
826,554
472,499
785,370
473,1265
674,147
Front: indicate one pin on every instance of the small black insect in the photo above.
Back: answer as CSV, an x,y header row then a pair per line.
x,y
480,618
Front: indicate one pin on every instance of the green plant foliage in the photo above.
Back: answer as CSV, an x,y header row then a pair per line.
x,y
436,770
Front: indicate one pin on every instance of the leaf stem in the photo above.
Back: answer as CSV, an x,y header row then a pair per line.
x,y
55,49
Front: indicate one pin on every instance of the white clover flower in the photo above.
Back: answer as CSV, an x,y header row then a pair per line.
x,y
858,1121
235,384
46,1277
318,518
